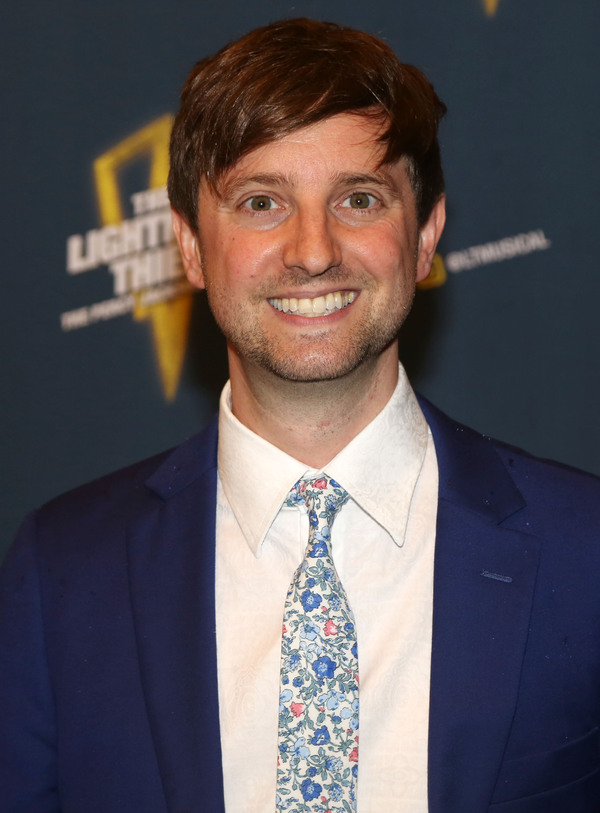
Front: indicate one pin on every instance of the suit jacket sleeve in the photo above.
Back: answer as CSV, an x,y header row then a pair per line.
x,y
28,763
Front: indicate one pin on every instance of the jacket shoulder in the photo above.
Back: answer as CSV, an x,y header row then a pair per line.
x,y
482,470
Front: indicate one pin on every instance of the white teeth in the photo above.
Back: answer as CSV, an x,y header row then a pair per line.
x,y
319,306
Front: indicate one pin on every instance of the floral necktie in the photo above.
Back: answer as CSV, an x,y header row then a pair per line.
x,y
318,710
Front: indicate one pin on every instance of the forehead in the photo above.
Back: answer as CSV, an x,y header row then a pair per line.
x,y
344,143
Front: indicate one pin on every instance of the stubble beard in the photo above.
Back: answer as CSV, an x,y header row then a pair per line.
x,y
316,355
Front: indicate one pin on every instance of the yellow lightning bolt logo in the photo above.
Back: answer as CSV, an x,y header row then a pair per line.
x,y
437,275
169,320
490,7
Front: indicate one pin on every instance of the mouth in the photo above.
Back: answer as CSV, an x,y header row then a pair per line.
x,y
319,306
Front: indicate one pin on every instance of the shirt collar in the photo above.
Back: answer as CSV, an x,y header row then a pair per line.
x,y
385,458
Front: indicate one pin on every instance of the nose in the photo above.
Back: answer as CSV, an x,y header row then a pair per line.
x,y
312,245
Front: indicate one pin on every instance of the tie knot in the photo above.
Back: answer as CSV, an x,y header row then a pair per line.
x,y
323,497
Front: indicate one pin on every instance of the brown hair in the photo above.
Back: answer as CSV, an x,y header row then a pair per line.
x,y
291,74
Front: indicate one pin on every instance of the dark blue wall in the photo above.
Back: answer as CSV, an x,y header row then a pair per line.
x,y
507,343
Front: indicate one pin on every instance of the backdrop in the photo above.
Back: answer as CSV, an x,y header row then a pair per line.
x,y
108,357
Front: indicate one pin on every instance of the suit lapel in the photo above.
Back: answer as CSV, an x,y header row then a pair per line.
x,y
485,569
172,565
483,584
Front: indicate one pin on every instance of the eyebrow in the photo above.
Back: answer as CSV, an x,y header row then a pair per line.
x,y
378,178
278,179
229,189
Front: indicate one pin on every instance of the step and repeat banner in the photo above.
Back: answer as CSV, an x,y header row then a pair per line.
x,y
108,356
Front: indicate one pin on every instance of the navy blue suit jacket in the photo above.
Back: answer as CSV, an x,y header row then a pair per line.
x,y
108,687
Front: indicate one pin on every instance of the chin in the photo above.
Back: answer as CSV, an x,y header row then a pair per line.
x,y
319,365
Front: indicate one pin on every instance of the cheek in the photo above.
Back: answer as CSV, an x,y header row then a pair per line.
x,y
401,253
252,258
386,257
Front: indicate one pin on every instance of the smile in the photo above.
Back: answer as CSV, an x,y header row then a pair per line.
x,y
319,306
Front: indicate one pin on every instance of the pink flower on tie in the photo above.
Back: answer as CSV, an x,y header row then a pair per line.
x,y
322,483
330,627
353,755
297,709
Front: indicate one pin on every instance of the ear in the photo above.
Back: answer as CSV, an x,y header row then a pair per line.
x,y
429,235
189,248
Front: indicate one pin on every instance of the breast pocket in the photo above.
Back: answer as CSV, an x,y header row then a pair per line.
x,y
564,780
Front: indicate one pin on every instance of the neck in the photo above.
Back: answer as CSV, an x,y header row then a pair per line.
x,y
311,421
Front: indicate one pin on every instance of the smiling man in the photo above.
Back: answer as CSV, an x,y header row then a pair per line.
x,y
309,248
195,633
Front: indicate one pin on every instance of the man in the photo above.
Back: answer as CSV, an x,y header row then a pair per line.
x,y
308,199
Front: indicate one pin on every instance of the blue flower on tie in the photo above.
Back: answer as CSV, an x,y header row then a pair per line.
x,y
295,497
291,662
354,649
334,600
334,764
313,518
300,748
318,549
310,600
333,482
310,790
321,736
336,792
331,503
351,715
310,582
324,533
308,631
349,627
312,771
332,699
324,667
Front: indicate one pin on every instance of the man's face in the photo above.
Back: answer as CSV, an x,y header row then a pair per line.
x,y
310,251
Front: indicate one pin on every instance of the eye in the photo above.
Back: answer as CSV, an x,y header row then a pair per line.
x,y
360,200
261,203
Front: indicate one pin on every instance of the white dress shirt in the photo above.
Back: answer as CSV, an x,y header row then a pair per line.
x,y
383,546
